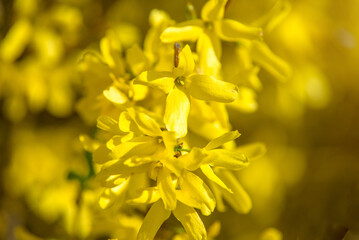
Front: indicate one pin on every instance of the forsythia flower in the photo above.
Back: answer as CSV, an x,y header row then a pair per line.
x,y
182,83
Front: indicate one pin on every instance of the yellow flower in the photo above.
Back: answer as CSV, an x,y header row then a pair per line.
x,y
208,31
139,147
182,83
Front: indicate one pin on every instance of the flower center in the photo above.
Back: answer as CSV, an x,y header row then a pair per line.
x,y
180,80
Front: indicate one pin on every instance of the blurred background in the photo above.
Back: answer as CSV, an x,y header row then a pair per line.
x,y
305,187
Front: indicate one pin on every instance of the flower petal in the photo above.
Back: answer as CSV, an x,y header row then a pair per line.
x,y
186,63
194,159
208,171
115,96
145,123
136,59
227,159
166,188
231,30
198,191
207,88
186,31
148,195
272,63
240,199
136,147
213,10
191,221
170,141
176,113
224,138
246,101
209,50
253,150
153,221
161,80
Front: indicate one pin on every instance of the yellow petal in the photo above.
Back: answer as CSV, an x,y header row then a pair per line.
x,y
227,159
246,101
186,31
186,63
145,123
136,59
271,62
172,164
166,188
136,147
108,124
198,191
176,113
124,122
148,195
194,159
239,200
213,10
209,50
208,171
231,30
101,154
224,138
170,141
191,221
253,150
153,221
161,80
274,16
115,96
112,195
207,88
16,40
110,55
88,143
271,234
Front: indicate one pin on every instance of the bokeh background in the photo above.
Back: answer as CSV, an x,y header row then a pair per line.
x,y
306,186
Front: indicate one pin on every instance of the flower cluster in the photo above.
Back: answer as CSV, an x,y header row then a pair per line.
x,y
164,136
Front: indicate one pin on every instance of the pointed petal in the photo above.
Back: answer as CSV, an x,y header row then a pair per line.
x,y
246,101
240,199
213,10
271,62
207,88
115,96
160,80
191,221
148,195
170,141
101,154
209,54
136,147
231,30
224,138
176,113
166,188
186,63
108,124
208,171
153,221
253,150
186,31
136,59
226,159
145,123
112,195
194,159
198,191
